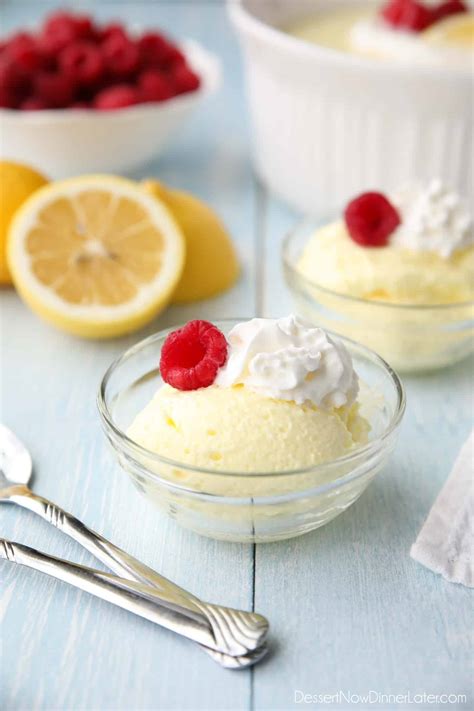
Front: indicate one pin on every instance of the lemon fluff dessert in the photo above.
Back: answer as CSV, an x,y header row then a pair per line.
x,y
415,247
275,395
433,32
396,274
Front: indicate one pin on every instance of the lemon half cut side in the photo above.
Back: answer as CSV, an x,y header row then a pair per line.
x,y
95,255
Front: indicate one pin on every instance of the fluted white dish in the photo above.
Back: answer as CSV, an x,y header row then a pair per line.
x,y
65,142
328,125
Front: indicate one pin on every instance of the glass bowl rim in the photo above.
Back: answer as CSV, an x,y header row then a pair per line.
x,y
353,455
308,222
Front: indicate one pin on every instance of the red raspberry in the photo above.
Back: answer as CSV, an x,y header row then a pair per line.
x,y
9,74
157,51
153,48
120,56
371,219
154,86
84,27
8,100
114,29
58,32
192,355
408,15
117,96
174,56
184,79
66,27
80,105
450,7
82,62
13,85
33,103
56,89
23,50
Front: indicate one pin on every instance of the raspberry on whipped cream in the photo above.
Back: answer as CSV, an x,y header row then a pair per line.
x,y
285,398
426,257
430,218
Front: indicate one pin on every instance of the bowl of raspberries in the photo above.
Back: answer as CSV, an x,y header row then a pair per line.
x,y
76,96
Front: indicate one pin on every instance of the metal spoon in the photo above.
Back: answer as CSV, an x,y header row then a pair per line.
x,y
233,638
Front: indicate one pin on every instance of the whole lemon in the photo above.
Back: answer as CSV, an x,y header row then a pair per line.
x,y
17,183
211,264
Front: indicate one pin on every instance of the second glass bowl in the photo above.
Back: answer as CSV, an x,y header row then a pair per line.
x,y
411,337
247,507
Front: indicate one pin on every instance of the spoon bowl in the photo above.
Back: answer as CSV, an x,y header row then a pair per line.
x,y
16,465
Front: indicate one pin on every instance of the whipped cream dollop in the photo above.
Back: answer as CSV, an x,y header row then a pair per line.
x,y
288,359
375,37
433,218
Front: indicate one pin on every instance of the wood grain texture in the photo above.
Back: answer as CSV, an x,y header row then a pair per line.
x,y
349,609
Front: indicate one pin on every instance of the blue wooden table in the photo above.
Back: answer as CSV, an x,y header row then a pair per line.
x,y
350,612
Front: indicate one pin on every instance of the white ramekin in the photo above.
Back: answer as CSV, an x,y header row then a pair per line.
x,y
328,125
67,142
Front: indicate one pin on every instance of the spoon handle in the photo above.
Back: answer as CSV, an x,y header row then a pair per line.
x,y
235,632
134,597
111,555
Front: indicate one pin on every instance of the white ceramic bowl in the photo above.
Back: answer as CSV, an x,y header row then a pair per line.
x,y
328,125
66,142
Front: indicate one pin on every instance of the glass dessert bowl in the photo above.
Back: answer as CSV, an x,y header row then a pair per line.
x,y
241,504
411,299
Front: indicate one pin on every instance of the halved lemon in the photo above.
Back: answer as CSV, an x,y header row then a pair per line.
x,y
17,183
211,262
456,31
95,255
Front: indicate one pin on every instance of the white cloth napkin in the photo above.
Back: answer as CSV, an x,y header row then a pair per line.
x,y
445,544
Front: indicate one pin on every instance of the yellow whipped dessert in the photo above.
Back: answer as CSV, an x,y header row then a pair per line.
x,y
389,274
396,274
283,398
431,33
427,259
